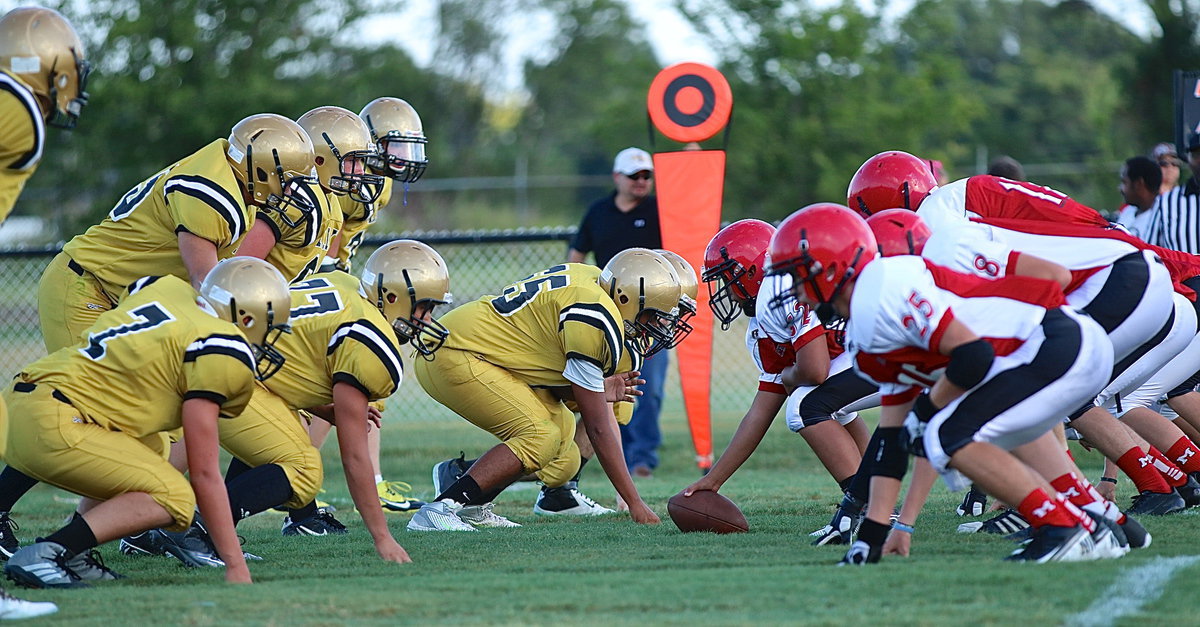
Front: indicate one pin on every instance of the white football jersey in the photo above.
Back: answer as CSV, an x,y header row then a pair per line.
x,y
902,306
793,323
770,358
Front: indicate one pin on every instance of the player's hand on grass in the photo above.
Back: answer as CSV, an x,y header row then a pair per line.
x,y
391,551
1106,489
237,574
642,514
703,483
898,543
622,506
623,386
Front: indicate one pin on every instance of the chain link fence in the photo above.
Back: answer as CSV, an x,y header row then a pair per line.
x,y
480,262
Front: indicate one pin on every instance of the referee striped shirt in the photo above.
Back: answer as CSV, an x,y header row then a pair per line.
x,y
1176,222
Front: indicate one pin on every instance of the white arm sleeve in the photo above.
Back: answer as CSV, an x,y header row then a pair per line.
x,y
585,374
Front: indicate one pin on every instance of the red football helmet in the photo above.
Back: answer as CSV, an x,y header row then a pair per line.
x,y
734,265
822,246
890,180
899,232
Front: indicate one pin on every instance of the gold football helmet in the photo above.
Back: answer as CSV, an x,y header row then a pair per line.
x,y
273,158
396,130
690,286
253,295
646,291
406,279
345,153
40,47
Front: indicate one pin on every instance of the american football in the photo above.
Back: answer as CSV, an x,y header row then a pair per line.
x,y
706,510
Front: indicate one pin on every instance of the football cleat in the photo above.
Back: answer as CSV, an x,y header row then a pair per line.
x,y
1055,544
483,516
1108,539
974,503
1190,491
8,536
1135,534
439,516
393,496
12,608
1006,523
192,547
321,523
567,500
447,472
842,526
145,543
861,553
1157,503
42,565
89,566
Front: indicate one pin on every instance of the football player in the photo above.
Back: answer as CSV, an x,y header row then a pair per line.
x,y
510,359
43,74
89,418
789,346
908,320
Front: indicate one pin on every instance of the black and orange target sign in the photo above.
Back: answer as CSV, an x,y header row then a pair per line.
x,y
689,102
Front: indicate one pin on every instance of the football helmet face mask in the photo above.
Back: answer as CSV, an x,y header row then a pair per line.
x,y
345,153
890,180
899,232
406,280
400,139
734,264
690,291
253,295
646,291
823,246
273,158
42,48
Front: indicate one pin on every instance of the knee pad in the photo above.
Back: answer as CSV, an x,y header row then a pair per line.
x,y
891,460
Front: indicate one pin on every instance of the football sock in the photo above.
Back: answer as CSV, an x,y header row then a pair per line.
x,y
76,536
1073,489
236,467
303,513
1185,455
1170,472
860,485
844,484
1140,468
1041,510
873,533
582,462
378,479
257,490
13,485
464,492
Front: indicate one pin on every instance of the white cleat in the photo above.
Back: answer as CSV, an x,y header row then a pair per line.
x,y
483,516
567,500
439,516
12,608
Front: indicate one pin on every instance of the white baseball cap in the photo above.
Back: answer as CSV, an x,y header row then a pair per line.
x,y
633,160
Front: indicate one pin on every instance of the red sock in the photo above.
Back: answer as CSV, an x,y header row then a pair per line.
x,y
1140,467
1185,455
1170,472
1069,455
1070,487
1041,510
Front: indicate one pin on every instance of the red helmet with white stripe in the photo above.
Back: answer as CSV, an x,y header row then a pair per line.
x,y
822,246
890,180
899,232
734,265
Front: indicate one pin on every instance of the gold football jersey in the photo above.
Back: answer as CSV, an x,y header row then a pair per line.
x,y
356,218
336,336
134,368
299,250
536,324
22,136
198,194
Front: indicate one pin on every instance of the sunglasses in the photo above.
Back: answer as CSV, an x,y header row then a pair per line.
x,y
1166,162
641,176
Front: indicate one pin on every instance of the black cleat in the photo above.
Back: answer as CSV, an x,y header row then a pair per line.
x,y
1055,544
1190,491
8,536
145,543
1157,503
1135,533
192,547
1007,523
1108,540
447,472
321,523
842,526
974,503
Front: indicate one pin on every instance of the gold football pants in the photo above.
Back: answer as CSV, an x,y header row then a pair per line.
x,y
533,423
69,301
49,440
268,432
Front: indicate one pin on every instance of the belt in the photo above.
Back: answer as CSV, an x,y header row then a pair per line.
x,y
26,388
76,268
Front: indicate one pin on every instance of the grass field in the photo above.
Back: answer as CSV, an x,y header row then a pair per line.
x,y
610,571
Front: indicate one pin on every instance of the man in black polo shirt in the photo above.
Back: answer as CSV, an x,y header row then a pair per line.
x,y
626,218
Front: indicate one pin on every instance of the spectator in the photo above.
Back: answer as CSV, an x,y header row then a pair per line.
x,y
1007,167
1173,223
1171,164
939,172
628,218
1140,181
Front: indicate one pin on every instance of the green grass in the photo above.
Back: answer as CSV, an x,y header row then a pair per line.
x,y
608,570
